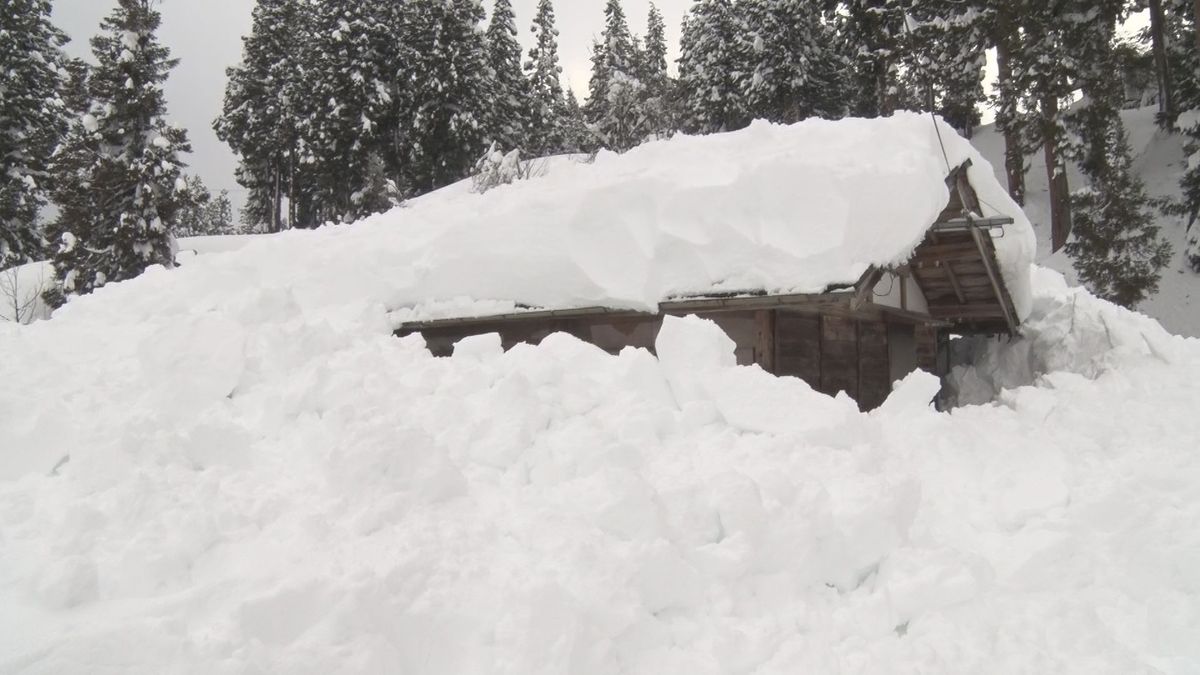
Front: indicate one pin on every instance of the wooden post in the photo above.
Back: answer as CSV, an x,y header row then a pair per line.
x,y
764,339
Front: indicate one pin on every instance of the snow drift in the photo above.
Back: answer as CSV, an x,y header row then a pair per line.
x,y
235,467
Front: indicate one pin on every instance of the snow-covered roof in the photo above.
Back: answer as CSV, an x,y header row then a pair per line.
x,y
786,209
781,209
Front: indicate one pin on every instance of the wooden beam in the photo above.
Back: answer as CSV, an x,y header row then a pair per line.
x,y
958,293
989,259
907,316
865,288
986,310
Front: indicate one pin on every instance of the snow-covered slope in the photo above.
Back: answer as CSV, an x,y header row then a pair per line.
x,y
235,467
1158,160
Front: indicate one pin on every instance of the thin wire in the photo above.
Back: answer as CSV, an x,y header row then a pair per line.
x,y
929,86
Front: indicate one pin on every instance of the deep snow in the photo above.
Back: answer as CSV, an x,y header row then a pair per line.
x,y
235,468
1159,161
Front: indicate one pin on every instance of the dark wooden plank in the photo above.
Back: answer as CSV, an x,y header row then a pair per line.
x,y
941,250
839,355
764,346
959,312
798,346
958,293
874,369
926,342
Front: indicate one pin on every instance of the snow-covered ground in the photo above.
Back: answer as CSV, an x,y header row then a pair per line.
x,y
1159,161
234,467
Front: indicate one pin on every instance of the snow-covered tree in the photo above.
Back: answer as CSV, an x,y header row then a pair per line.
x,y
709,69
658,104
577,135
202,214
126,158
616,92
1182,36
546,118
792,71
261,117
351,90
443,130
32,121
1115,244
511,109
869,35
944,51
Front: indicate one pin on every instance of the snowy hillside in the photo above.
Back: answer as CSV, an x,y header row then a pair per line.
x,y
1158,159
235,467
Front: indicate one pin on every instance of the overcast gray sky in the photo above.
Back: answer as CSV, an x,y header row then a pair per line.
x,y
206,36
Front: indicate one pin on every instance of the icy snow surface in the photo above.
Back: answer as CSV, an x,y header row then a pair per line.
x,y
234,467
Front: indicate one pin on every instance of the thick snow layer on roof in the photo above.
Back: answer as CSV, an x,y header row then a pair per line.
x,y
777,208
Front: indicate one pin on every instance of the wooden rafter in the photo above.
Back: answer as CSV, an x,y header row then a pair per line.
x,y
958,292
985,252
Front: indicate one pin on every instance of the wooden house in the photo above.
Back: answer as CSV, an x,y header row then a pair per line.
x,y
858,337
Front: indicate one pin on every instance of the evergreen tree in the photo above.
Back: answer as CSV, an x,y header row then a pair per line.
x,y
792,71
1115,246
658,104
614,103
547,105
32,121
577,136
1183,53
870,34
261,118
709,69
128,159
351,92
1045,69
202,214
443,130
511,113
944,49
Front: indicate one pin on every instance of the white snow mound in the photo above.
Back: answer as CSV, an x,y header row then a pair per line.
x,y
234,467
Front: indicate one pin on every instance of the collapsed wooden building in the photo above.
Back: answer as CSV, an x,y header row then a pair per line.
x,y
857,336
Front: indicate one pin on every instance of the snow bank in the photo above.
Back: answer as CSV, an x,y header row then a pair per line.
x,y
235,467
269,485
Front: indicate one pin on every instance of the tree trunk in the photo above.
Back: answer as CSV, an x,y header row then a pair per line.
x,y
1014,154
1166,94
1056,175
276,200
1196,21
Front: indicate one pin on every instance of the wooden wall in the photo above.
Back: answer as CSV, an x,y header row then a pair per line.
x,y
837,353
833,353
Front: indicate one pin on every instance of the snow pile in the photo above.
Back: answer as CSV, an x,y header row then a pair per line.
x,y
235,467
1068,330
257,487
